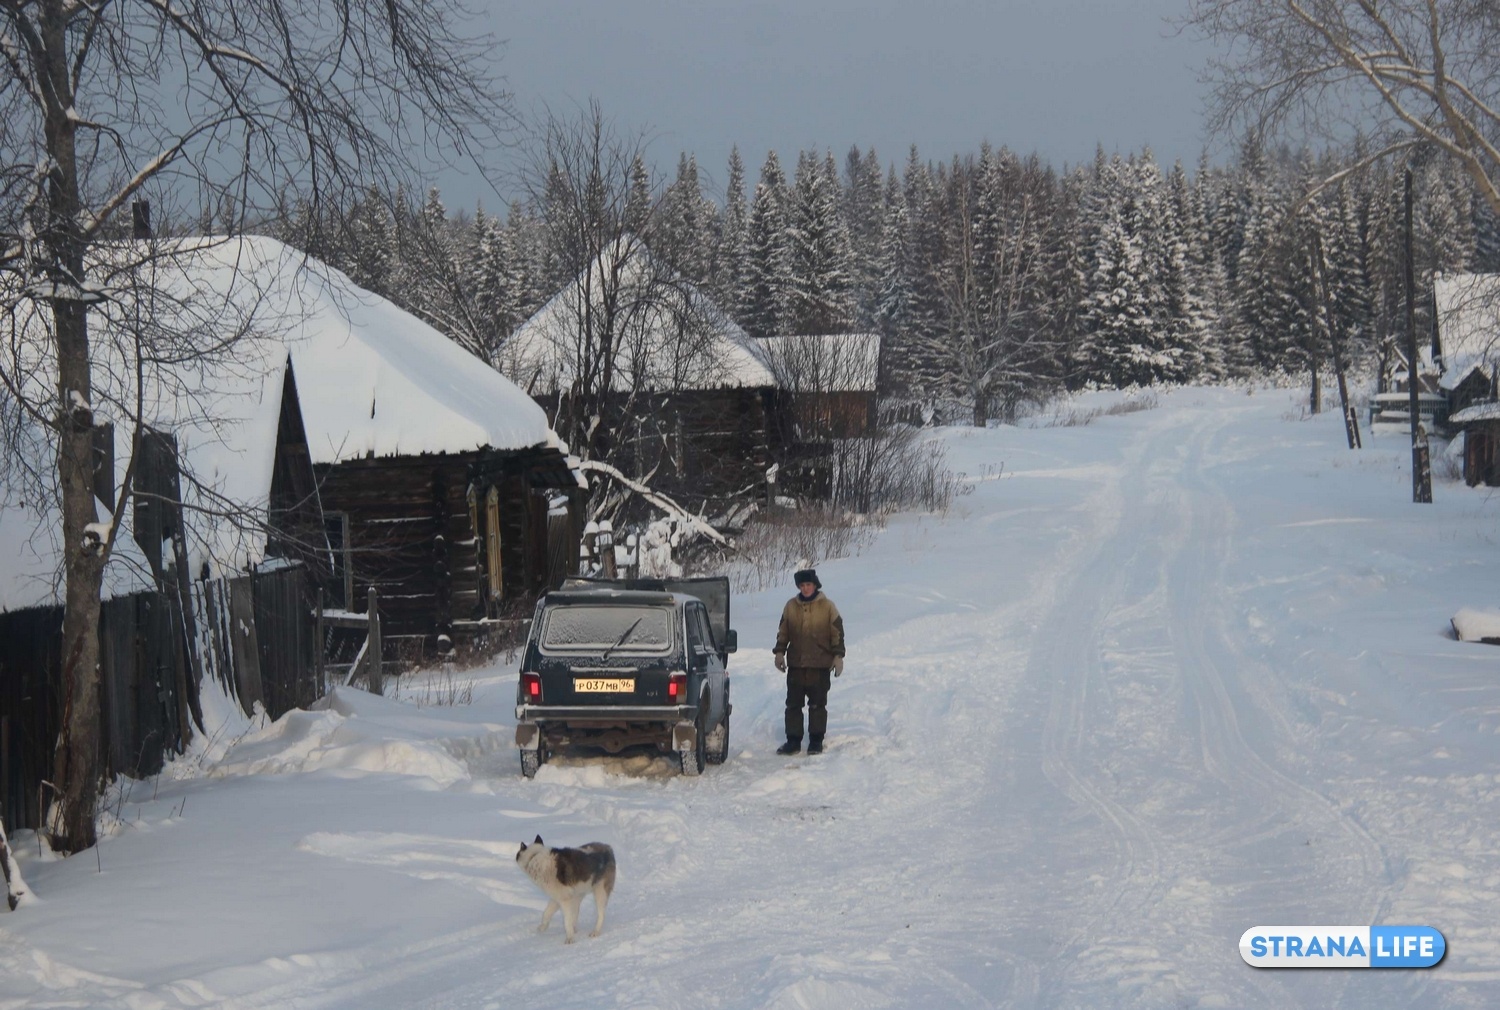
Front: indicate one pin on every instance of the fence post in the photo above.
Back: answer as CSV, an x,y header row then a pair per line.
x,y
374,675
4,766
12,892
604,544
320,647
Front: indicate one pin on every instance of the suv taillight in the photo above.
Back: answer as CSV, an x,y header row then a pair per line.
x,y
531,686
677,688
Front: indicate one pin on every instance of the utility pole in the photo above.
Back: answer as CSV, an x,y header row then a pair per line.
x,y
1421,465
1326,324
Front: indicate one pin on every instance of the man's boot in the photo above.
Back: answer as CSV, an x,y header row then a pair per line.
x,y
815,744
792,746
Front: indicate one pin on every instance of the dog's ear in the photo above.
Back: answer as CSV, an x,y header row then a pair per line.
x,y
538,840
523,848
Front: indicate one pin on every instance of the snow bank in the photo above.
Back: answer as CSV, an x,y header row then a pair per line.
x,y
1473,624
336,738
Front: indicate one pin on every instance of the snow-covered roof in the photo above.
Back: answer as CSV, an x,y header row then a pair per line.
x,y
1478,412
372,379
670,334
30,549
1468,312
824,362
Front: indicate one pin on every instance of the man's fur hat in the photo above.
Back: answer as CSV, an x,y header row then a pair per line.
x,y
807,575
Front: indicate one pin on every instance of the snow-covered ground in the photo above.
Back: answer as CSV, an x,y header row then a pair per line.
x,y
1156,680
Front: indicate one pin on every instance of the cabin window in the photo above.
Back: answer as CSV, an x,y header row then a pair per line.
x,y
492,543
339,563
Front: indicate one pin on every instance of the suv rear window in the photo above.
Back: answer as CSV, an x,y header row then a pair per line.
x,y
576,628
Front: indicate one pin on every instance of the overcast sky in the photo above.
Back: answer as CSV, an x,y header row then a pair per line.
x,y
1053,76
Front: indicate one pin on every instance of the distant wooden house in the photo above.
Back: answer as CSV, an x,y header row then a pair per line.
x,y
695,404
690,401
1463,367
1479,426
826,384
1462,363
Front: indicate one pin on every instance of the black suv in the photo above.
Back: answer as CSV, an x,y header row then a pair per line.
x,y
619,663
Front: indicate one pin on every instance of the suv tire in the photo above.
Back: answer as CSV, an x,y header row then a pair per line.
x,y
694,760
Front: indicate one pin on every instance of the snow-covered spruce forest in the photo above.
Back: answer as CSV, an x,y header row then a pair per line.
x,y
995,279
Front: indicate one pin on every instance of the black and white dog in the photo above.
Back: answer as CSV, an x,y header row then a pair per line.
x,y
566,875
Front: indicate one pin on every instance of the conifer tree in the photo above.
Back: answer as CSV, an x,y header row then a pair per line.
x,y
768,297
496,308
730,266
1120,343
864,217
894,315
925,251
372,243
638,203
821,300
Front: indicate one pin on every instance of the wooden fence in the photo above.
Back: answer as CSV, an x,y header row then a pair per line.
x,y
256,634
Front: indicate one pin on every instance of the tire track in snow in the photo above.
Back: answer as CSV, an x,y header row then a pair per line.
x,y
1067,654
1140,621
1218,675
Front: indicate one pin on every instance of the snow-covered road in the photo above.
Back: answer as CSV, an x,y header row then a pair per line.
x,y
1154,680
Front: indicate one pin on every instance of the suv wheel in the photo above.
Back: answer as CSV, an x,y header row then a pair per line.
x,y
694,759
531,760
717,745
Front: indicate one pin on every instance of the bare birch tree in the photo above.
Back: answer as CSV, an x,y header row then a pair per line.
x,y
215,110
1409,72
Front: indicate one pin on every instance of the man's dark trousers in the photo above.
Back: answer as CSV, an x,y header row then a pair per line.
x,y
809,684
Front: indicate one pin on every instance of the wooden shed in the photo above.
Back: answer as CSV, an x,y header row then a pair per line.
x,y
1479,425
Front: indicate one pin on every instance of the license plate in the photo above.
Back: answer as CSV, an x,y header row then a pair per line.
x,y
604,685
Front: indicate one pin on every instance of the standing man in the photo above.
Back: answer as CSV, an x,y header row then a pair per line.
x,y
809,644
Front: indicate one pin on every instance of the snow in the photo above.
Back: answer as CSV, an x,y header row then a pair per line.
x,y
1152,681
371,377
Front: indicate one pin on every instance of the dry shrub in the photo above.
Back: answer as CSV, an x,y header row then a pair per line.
x,y
894,470
444,687
777,543
897,469
1077,417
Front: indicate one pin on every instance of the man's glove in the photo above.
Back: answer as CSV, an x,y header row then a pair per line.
x,y
838,666
781,661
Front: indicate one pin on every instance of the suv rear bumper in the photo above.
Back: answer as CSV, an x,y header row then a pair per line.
x,y
604,713
602,724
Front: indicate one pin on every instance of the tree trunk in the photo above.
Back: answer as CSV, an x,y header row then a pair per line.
x,y
77,760
1421,472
